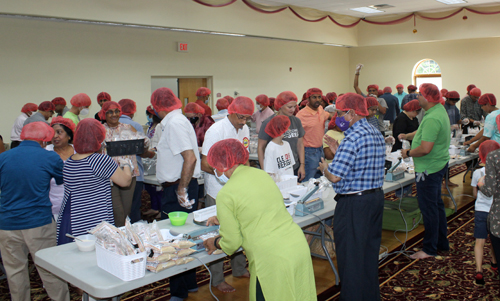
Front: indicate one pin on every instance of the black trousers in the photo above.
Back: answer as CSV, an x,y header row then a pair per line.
x,y
181,283
357,227
495,242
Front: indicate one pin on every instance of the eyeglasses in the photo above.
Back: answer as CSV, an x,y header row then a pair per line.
x,y
243,117
111,112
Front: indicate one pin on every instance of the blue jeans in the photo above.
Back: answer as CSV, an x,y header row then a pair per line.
x,y
432,208
313,156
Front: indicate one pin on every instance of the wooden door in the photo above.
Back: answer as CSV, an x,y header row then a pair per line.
x,y
188,87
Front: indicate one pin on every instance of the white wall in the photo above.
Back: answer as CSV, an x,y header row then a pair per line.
x,y
234,18
42,59
462,62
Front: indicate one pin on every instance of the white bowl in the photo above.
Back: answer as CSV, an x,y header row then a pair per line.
x,y
88,243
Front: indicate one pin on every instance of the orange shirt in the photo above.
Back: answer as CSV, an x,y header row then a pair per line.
x,y
313,123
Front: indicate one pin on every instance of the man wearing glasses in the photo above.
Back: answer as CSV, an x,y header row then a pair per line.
x,y
101,99
232,127
45,111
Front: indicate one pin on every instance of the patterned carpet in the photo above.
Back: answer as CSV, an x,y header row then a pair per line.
x,y
449,276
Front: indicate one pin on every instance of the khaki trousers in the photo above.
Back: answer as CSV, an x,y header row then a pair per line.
x,y
14,246
238,262
122,202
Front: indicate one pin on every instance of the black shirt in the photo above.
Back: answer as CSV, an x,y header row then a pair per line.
x,y
403,125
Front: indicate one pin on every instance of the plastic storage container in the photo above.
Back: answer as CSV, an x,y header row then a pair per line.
x,y
127,268
125,147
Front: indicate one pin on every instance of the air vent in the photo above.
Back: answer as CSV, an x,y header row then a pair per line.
x,y
381,6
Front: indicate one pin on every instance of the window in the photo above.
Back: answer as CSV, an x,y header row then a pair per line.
x,y
427,71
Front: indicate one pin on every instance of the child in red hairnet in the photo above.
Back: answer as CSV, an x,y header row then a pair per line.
x,y
278,158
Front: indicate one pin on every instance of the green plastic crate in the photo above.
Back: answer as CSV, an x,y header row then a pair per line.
x,y
392,219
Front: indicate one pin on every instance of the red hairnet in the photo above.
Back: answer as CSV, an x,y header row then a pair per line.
x,y
371,102
229,99
331,96
412,106
241,105
109,105
470,87
64,121
412,88
128,106
81,100
163,99
203,91
222,104
29,107
277,126
89,135
227,153
352,101
486,147
38,131
444,92
304,96
487,99
194,108
284,98
271,102
453,95
46,106
475,92
399,86
387,90
103,96
380,92
372,86
262,99
59,101
430,92
313,91
331,124
150,110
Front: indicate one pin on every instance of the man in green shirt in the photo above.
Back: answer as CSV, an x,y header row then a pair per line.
x,y
80,104
430,154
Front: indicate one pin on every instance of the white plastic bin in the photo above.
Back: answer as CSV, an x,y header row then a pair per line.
x,y
126,268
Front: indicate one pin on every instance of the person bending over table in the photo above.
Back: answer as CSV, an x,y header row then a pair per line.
x,y
357,173
87,193
257,220
430,154
406,123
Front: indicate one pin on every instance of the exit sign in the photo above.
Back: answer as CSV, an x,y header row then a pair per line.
x,y
182,47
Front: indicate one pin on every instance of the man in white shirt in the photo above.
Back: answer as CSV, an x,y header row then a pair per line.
x,y
15,134
222,105
177,170
232,127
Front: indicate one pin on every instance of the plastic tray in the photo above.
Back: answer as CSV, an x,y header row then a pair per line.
x,y
127,268
125,147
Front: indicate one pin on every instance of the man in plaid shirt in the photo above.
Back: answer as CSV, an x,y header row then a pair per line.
x,y
357,173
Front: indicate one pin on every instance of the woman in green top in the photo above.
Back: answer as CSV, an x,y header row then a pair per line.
x,y
429,150
252,215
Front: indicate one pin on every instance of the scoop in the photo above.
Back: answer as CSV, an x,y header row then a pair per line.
x,y
71,236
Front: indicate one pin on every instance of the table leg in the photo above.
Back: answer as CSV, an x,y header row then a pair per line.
x,y
449,191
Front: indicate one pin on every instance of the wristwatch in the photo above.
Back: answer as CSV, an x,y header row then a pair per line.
x,y
215,242
408,153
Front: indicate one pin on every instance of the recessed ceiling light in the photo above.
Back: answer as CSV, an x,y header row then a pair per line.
x,y
336,45
452,1
367,10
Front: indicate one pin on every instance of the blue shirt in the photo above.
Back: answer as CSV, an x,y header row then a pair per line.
x,y
25,173
138,127
374,121
359,160
392,107
408,98
453,113
400,97
491,127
